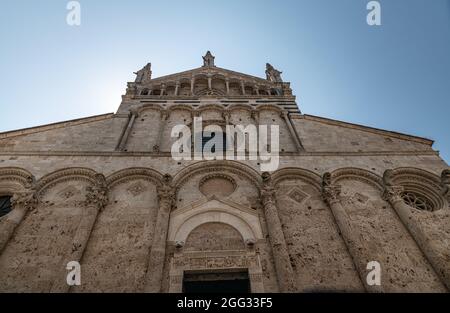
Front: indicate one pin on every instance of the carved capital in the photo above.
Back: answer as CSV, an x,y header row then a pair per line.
x,y
445,183
267,191
166,192
268,195
165,114
392,193
226,115
26,199
254,115
330,192
97,194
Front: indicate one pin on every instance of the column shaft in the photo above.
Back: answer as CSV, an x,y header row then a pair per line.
x,y
22,202
155,267
283,267
437,257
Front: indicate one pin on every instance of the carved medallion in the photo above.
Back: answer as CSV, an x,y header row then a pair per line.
x,y
136,189
298,195
68,192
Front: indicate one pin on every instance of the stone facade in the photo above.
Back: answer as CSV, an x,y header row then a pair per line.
x,y
105,191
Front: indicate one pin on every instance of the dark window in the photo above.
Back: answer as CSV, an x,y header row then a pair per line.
x,y
5,205
216,283
205,139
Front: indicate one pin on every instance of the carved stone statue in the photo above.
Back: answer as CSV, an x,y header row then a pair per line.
x,y
208,60
273,74
145,74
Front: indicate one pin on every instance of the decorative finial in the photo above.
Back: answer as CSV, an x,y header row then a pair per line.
x,y
273,74
208,59
145,74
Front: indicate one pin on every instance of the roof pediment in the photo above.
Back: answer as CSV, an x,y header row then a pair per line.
x,y
208,72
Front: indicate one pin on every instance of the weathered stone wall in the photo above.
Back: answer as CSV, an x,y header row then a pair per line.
x,y
380,236
116,256
29,261
328,240
318,254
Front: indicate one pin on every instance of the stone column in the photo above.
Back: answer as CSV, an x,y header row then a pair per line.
x,y
292,131
192,85
434,250
154,276
209,82
283,267
22,203
331,194
227,84
123,140
177,87
243,87
96,201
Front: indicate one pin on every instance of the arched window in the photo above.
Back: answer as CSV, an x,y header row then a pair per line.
x,y
144,92
5,205
207,137
418,202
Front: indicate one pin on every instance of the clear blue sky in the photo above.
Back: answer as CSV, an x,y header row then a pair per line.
x,y
395,77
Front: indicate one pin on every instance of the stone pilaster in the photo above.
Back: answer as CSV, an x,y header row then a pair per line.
x,y
283,267
126,133
445,183
96,200
331,194
164,116
166,197
434,249
292,131
22,203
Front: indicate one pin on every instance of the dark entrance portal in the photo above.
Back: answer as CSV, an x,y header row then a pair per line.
x,y
234,282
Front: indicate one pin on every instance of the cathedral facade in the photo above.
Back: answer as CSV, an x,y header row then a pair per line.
x,y
345,203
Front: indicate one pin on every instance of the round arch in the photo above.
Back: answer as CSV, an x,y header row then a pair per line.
x,y
307,176
133,173
353,173
214,216
217,166
73,173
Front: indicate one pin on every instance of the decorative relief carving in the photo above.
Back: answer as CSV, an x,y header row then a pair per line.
x,y
136,189
330,192
218,185
298,195
215,262
214,237
166,193
445,183
391,192
68,192
97,194
26,199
